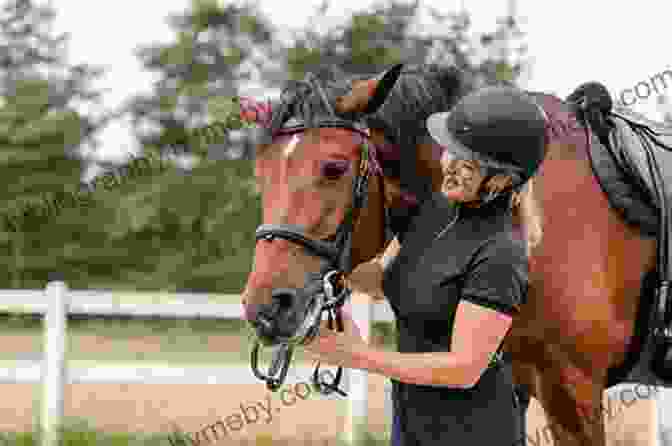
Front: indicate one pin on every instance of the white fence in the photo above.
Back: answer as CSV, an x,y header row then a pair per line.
x,y
56,302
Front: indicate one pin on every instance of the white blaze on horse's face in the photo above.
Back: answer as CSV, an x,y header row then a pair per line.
x,y
292,145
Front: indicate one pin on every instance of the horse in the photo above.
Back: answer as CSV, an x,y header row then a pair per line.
x,y
583,326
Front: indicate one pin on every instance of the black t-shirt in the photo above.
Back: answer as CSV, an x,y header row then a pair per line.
x,y
483,260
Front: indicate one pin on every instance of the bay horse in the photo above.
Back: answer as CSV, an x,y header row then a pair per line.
x,y
581,330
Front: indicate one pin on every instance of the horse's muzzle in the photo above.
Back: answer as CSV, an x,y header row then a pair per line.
x,y
279,321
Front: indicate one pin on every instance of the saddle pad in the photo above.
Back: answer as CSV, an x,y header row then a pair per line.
x,y
623,170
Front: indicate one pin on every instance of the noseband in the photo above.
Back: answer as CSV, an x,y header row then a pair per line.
x,y
324,291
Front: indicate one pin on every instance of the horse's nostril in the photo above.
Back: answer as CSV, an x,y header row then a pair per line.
x,y
285,297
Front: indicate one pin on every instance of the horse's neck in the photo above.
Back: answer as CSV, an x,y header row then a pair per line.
x,y
369,233
428,165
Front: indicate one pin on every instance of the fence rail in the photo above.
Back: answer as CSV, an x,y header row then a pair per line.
x,y
56,302
122,303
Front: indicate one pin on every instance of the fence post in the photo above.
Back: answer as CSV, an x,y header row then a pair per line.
x,y
664,405
53,372
358,383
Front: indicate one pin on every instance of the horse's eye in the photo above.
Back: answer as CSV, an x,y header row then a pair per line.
x,y
334,170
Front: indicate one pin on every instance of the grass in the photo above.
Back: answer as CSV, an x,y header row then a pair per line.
x,y
82,434
178,341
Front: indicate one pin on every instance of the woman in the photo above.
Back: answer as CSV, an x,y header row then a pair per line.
x,y
455,278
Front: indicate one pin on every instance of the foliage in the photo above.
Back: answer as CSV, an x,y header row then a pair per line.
x,y
215,48
171,230
388,33
40,128
81,434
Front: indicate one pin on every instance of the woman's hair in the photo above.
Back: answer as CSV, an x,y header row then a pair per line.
x,y
490,167
527,214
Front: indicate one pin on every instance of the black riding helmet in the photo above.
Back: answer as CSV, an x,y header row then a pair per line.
x,y
500,124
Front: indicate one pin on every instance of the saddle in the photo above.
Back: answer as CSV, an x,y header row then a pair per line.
x,y
633,164
625,172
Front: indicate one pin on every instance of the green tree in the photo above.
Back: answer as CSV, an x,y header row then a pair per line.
x,y
216,47
390,32
169,229
40,127
182,228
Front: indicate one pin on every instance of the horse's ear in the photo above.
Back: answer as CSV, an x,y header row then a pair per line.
x,y
383,88
255,112
367,96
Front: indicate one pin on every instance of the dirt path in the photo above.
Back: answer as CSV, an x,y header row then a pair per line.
x,y
206,348
153,407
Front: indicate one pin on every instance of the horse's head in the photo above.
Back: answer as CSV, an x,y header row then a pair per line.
x,y
322,202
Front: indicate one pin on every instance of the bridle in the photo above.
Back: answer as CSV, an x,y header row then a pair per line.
x,y
324,291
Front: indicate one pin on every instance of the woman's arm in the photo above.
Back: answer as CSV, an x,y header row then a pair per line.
x,y
477,333
367,278
490,295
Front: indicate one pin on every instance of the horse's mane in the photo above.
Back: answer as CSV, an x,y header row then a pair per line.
x,y
301,99
419,91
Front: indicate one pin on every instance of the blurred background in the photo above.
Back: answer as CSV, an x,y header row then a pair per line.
x,y
86,85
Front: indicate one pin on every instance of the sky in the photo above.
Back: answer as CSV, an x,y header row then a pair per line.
x,y
569,42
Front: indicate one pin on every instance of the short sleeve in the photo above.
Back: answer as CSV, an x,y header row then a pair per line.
x,y
497,278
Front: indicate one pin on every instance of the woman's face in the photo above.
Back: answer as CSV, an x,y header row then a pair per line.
x,y
462,179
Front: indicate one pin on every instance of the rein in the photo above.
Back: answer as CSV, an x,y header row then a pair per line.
x,y
325,291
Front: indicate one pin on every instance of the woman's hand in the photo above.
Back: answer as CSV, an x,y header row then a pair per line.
x,y
367,278
346,349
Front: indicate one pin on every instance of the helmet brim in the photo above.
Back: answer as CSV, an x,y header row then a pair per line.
x,y
436,126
